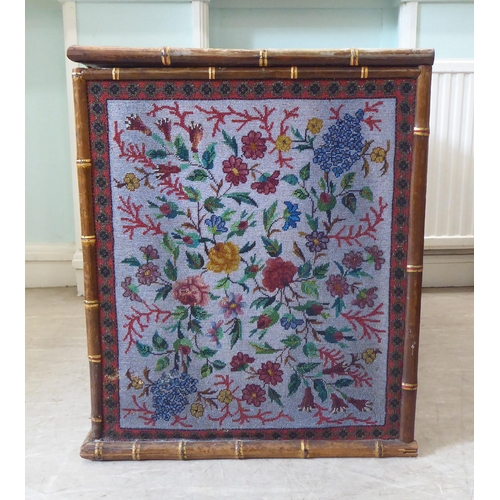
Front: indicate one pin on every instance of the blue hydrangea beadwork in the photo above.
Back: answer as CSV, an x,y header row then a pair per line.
x,y
342,145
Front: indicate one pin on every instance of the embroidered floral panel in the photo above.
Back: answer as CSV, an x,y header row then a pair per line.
x,y
252,240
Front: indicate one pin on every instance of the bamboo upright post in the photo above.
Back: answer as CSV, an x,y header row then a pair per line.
x,y
415,263
84,167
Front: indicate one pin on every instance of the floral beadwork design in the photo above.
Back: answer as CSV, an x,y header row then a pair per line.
x,y
252,246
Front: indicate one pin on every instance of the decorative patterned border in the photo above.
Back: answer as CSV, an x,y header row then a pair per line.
x,y
402,89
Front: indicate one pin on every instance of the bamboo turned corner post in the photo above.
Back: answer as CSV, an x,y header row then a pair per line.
x,y
415,261
84,173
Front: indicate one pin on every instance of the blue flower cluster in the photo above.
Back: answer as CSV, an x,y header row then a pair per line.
x,y
216,224
291,215
290,321
169,394
343,145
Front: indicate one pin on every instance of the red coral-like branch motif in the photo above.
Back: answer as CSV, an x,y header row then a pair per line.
x,y
178,420
335,112
321,417
242,415
174,111
366,322
360,378
172,187
132,152
352,418
147,415
325,419
243,118
332,356
353,235
370,120
138,321
133,221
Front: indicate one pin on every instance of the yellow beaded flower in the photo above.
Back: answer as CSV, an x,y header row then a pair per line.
x,y
369,356
314,125
378,155
197,410
283,143
131,182
225,396
224,258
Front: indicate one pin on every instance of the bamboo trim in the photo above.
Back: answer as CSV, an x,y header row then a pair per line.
x,y
84,163
379,450
414,269
409,387
165,56
98,450
263,58
248,73
230,449
294,72
191,57
211,73
136,451
304,448
239,449
354,61
364,72
115,73
425,131
416,225
88,239
76,74
182,450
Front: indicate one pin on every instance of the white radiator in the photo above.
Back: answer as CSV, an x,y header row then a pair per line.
x,y
450,188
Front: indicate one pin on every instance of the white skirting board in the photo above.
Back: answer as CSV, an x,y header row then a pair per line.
x,y
57,265
448,270
49,265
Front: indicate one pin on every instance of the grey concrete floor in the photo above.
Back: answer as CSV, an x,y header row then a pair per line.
x,y
57,409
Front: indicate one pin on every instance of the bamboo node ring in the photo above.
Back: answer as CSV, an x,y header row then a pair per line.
x,y
354,57
96,419
83,163
136,451
182,450
414,269
95,358
211,73
425,131
364,72
238,446
115,73
409,387
408,451
263,58
98,450
165,56
294,72
304,447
